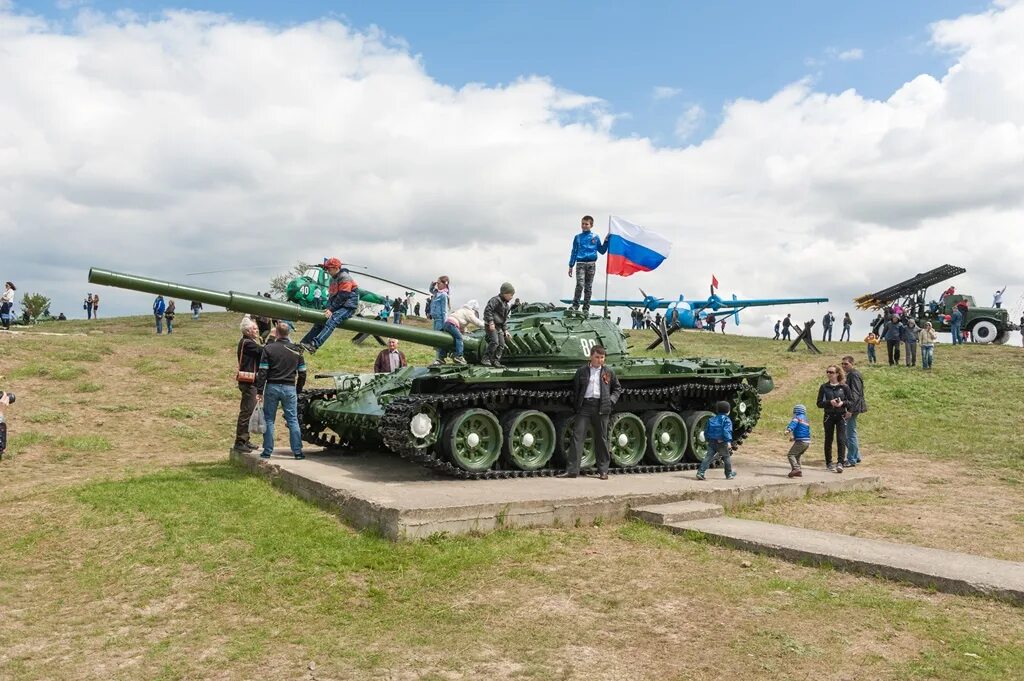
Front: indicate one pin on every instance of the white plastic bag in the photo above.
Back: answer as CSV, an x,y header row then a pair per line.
x,y
257,422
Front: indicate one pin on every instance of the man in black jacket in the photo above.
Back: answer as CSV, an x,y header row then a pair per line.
x,y
826,326
596,390
279,379
496,325
857,405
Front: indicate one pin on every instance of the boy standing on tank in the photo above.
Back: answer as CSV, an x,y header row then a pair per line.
x,y
585,248
718,433
496,323
799,430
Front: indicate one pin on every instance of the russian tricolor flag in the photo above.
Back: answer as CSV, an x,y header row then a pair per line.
x,y
631,248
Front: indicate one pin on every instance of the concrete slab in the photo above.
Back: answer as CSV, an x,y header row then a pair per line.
x,y
404,501
679,511
948,571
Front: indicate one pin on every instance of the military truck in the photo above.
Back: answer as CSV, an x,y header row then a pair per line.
x,y
986,324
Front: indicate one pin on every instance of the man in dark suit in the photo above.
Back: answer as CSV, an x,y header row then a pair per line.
x,y
390,359
596,390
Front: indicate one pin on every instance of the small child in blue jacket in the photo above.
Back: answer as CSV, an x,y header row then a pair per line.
x,y
718,433
799,430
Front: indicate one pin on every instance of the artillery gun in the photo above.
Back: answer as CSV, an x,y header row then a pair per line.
x,y
986,324
482,422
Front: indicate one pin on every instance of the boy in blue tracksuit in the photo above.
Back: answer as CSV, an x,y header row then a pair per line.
x,y
718,433
799,430
585,247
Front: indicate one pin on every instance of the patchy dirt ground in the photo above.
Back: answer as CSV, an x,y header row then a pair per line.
x,y
219,576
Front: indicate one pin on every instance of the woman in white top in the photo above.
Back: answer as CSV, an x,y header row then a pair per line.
x,y
7,304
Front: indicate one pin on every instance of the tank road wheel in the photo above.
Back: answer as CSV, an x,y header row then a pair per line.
x,y
1002,337
424,426
746,410
563,443
529,439
472,438
627,439
695,423
666,437
984,331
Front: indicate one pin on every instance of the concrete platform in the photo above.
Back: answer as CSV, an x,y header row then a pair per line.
x,y
676,512
947,571
404,501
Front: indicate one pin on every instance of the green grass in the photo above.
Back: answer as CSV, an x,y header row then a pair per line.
x,y
119,408
183,413
87,387
48,416
84,443
956,412
57,371
268,551
89,353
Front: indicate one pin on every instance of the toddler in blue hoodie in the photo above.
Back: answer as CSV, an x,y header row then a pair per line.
x,y
799,431
718,434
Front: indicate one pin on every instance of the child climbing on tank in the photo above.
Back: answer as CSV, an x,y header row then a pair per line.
x,y
458,322
718,433
799,431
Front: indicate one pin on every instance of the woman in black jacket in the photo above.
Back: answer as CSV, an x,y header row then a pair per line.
x,y
833,397
248,352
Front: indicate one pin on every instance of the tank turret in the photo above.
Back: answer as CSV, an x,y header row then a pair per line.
x,y
479,422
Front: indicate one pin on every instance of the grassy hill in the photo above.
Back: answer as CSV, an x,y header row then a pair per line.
x,y
131,549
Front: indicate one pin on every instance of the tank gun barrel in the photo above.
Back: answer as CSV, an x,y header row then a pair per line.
x,y
266,307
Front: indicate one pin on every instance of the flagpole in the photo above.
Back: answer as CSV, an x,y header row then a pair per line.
x,y
607,315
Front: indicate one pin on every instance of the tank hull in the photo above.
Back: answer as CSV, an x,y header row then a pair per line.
x,y
367,412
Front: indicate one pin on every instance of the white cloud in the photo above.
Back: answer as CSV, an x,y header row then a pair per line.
x,y
197,142
854,54
688,122
665,92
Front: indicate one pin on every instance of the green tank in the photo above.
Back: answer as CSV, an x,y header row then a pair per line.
x,y
481,422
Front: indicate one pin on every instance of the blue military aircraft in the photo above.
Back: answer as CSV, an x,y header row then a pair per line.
x,y
684,313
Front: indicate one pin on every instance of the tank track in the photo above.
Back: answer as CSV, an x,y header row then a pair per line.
x,y
317,437
395,424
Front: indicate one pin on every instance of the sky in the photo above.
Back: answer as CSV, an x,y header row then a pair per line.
x,y
800,150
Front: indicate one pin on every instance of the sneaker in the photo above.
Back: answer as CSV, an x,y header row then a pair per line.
x,y
264,455
300,455
700,476
251,447
437,363
831,467
459,360
486,362
308,347
851,464
496,364
795,473
839,468
730,475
